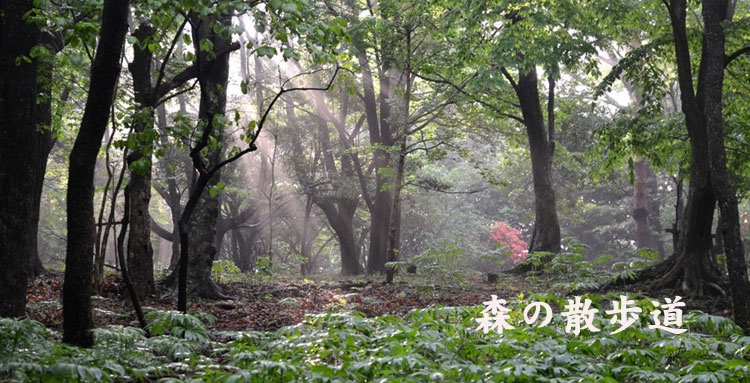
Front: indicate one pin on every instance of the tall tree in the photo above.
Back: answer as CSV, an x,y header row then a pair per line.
x,y
105,71
333,191
138,192
22,147
213,75
505,79
692,264
714,14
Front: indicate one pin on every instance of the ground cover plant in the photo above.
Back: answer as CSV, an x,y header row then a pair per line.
x,y
431,344
374,191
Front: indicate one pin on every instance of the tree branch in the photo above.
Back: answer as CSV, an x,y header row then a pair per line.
x,y
736,54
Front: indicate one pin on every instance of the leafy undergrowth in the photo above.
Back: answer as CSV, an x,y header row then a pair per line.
x,y
432,344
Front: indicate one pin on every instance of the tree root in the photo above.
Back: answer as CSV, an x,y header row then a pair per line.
x,y
672,274
524,267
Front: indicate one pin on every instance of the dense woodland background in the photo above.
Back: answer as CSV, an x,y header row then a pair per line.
x,y
569,146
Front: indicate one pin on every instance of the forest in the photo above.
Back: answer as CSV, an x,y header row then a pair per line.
x,y
374,191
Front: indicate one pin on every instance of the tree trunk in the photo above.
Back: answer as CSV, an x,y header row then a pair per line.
x,y
393,245
690,267
640,205
46,141
714,12
340,217
655,213
201,223
546,234
20,149
202,246
138,192
105,70
380,213
306,239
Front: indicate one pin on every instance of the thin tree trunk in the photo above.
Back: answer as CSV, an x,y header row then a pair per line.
x,y
105,70
380,213
124,265
640,205
46,142
102,228
393,247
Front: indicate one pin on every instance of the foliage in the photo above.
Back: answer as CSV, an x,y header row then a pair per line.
x,y
445,264
224,269
507,238
572,270
434,344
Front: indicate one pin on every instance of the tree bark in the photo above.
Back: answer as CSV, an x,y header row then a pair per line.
x,y
21,146
643,237
393,230
692,267
105,70
546,234
714,12
202,225
380,212
46,141
140,255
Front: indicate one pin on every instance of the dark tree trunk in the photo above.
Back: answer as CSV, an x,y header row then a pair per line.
x,y
198,222
380,212
203,249
340,216
546,234
105,70
46,142
138,192
21,145
306,239
714,12
691,267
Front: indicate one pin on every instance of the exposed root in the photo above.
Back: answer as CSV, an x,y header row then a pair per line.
x,y
524,267
208,289
673,274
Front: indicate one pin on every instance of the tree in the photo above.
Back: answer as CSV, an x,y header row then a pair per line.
x,y
504,78
22,147
692,265
105,70
714,14
327,182
138,191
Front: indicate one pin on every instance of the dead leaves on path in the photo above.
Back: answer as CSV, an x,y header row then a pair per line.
x,y
263,307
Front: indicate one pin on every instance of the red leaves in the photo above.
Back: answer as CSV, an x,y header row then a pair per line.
x,y
508,239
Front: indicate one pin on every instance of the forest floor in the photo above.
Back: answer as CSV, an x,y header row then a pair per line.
x,y
269,306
